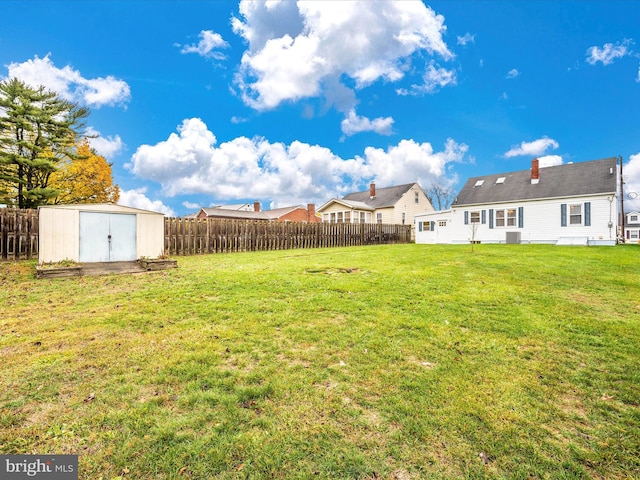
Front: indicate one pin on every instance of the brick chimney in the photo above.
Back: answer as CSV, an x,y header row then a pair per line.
x,y
256,206
311,212
535,171
372,190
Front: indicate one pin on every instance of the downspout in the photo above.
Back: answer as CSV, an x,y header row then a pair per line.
x,y
621,202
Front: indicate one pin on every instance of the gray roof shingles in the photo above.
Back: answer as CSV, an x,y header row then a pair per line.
x,y
385,197
569,180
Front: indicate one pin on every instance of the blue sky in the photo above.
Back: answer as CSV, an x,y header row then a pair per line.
x,y
204,103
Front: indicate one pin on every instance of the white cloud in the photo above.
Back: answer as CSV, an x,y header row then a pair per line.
x,y
191,205
638,76
466,39
137,198
513,73
206,47
108,147
353,124
411,161
549,161
433,79
532,149
70,84
608,53
191,162
504,96
302,49
631,172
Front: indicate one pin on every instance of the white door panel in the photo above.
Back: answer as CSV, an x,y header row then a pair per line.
x,y
107,237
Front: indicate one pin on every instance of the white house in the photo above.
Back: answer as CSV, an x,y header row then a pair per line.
x,y
632,227
571,204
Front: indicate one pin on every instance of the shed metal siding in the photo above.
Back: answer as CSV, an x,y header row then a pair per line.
x,y
59,235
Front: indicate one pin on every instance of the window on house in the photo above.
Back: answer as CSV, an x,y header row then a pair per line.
x,y
403,217
500,180
417,197
362,217
339,217
633,234
333,217
325,217
442,223
575,214
633,218
475,217
379,217
478,183
506,218
347,217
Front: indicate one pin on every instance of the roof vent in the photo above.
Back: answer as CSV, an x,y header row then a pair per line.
x,y
500,180
478,183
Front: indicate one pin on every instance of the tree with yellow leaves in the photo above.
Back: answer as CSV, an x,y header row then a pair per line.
x,y
86,178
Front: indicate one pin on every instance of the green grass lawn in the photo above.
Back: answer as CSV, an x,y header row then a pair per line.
x,y
398,362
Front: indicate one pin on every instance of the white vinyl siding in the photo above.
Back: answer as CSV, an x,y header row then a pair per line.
x,y
539,221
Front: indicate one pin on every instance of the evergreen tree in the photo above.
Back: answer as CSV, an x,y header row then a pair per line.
x,y
38,130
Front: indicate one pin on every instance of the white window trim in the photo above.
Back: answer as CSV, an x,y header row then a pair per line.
x,y
569,214
506,218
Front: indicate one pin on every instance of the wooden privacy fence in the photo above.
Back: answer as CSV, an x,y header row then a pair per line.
x,y
18,234
190,236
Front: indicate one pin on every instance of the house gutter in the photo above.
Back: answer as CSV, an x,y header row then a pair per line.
x,y
585,195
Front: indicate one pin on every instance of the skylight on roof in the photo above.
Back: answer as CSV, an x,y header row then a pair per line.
x,y
479,183
500,180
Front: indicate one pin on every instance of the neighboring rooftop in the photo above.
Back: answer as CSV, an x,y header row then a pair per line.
x,y
381,198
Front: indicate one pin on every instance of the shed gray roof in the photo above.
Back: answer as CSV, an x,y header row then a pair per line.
x,y
570,180
385,197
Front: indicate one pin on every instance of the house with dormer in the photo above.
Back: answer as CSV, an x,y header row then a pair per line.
x,y
389,205
570,204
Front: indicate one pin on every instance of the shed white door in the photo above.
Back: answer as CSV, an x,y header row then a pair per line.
x,y
107,237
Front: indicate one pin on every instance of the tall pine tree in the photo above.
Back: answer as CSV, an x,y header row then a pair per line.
x,y
38,130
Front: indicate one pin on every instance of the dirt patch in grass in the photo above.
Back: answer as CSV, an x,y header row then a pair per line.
x,y
333,270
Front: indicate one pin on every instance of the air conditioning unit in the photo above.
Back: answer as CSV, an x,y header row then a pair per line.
x,y
513,237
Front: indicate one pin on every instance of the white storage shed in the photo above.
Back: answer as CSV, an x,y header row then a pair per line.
x,y
99,233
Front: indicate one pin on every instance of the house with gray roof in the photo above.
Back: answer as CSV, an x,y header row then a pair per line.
x,y
296,213
390,205
575,203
